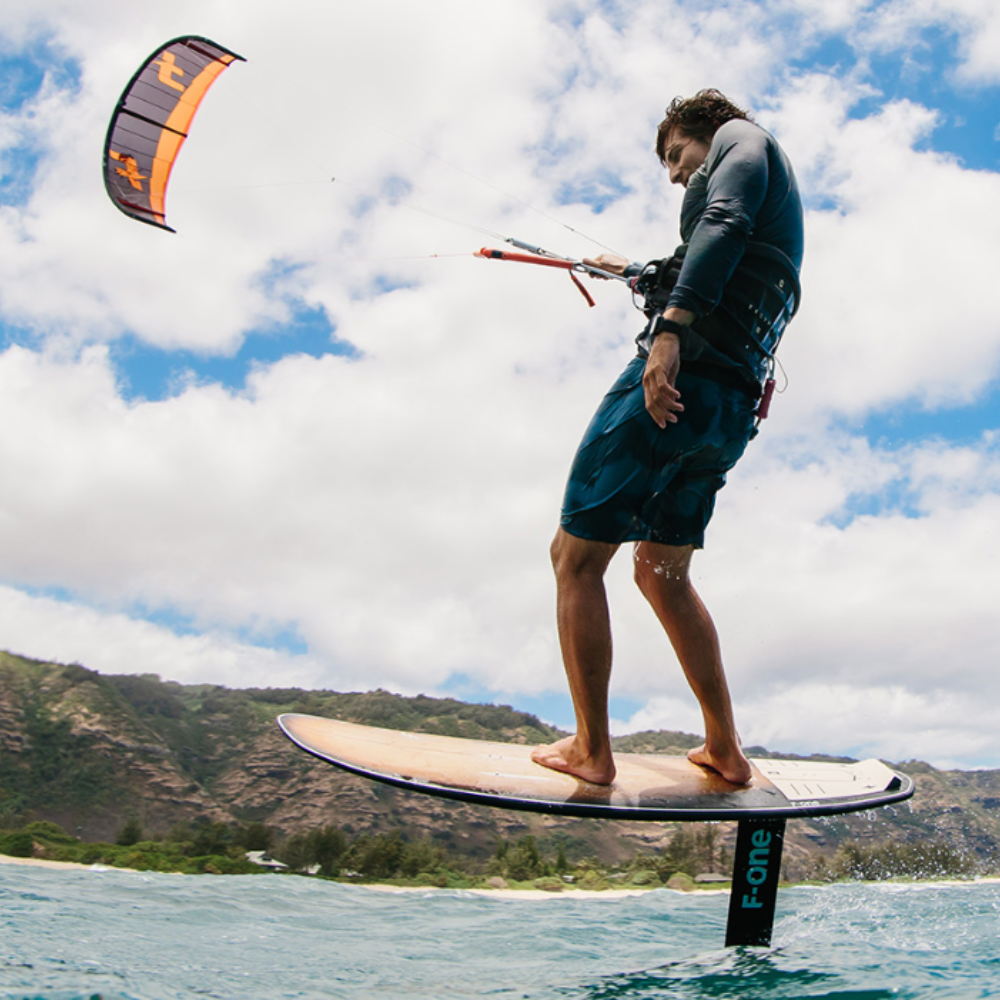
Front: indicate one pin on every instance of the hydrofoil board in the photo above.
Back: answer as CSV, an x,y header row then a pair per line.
x,y
647,786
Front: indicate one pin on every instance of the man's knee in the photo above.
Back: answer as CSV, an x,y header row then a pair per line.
x,y
661,569
648,577
574,557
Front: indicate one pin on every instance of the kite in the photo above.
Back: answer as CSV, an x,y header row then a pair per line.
x,y
151,122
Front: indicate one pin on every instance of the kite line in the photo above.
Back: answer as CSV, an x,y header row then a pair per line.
x,y
153,116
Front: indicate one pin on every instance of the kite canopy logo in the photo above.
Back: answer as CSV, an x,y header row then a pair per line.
x,y
151,122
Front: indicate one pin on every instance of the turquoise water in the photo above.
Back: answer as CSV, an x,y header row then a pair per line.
x,y
70,935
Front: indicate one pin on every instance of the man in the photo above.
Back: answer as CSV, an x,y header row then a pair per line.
x,y
677,420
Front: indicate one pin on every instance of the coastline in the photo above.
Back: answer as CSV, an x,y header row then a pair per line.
x,y
379,887
529,893
568,893
6,859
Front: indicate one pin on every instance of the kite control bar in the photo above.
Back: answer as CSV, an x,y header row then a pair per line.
x,y
536,255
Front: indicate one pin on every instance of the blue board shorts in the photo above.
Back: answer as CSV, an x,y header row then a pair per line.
x,y
634,481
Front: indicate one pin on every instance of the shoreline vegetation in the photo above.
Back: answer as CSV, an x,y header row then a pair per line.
x,y
525,892
391,863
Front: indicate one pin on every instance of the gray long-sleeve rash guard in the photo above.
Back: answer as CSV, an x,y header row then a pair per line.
x,y
744,193
745,190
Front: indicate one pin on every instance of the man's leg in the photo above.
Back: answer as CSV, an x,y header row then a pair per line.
x,y
661,571
585,639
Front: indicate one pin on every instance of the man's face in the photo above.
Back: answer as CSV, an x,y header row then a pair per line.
x,y
684,156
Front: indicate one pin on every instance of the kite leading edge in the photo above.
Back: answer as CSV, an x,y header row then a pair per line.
x,y
151,122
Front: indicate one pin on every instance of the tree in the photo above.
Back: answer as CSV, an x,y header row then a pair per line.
x,y
378,856
419,857
522,862
257,837
562,864
130,833
324,847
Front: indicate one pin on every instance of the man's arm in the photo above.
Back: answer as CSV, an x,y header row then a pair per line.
x,y
664,362
736,186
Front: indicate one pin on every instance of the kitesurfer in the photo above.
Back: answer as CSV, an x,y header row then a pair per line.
x,y
677,420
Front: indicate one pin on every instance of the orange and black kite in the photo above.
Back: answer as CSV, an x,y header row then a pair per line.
x,y
151,122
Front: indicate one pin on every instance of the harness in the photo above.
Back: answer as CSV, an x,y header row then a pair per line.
x,y
760,299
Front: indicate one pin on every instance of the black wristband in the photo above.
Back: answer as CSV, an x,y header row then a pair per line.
x,y
661,325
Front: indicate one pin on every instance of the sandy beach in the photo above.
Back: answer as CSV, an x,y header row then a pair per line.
x,y
42,863
524,893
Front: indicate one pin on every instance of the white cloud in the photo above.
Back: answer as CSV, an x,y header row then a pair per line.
x,y
394,511
889,312
113,643
912,24
874,721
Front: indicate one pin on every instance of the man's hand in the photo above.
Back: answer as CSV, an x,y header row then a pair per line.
x,y
662,366
609,262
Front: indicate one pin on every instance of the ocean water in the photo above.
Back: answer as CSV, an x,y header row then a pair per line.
x,y
84,934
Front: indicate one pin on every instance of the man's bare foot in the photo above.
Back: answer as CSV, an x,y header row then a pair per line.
x,y
569,757
733,766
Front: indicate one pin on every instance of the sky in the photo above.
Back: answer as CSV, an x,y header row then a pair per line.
x,y
311,440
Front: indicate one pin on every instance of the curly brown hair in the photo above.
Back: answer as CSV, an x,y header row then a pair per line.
x,y
697,117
